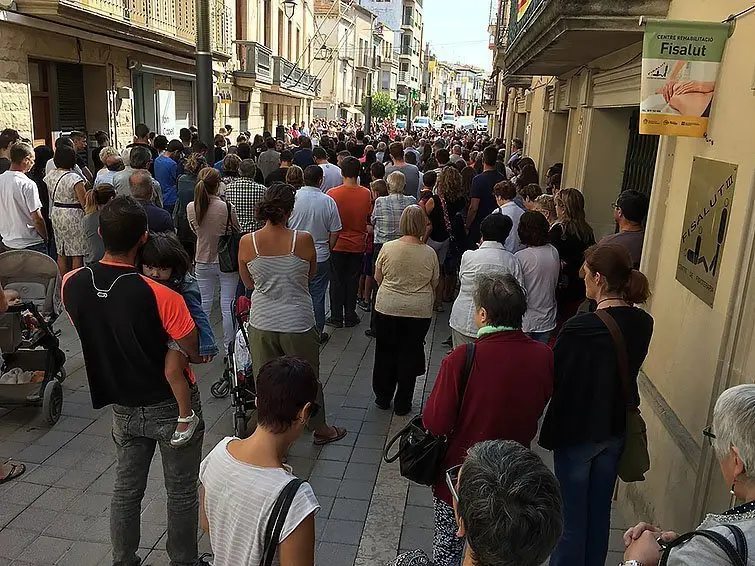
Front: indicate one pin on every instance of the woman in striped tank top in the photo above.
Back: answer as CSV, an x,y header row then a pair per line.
x,y
278,263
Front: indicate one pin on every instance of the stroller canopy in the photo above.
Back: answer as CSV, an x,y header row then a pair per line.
x,y
35,276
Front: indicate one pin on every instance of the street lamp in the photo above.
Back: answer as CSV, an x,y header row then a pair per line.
x,y
289,7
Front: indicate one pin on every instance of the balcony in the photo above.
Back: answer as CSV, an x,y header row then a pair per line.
x,y
364,61
166,24
287,75
406,51
407,21
255,61
556,36
403,77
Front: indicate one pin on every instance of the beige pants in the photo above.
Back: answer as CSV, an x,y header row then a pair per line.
x,y
457,338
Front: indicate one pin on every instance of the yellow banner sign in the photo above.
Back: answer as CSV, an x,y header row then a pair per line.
x,y
521,8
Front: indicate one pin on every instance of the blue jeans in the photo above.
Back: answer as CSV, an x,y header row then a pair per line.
x,y
587,474
543,337
318,286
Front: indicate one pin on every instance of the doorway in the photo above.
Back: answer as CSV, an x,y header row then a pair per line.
x,y
639,165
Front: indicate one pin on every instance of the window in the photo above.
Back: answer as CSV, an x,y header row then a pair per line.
x,y
281,19
289,39
268,24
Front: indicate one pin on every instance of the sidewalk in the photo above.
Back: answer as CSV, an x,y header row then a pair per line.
x,y
58,511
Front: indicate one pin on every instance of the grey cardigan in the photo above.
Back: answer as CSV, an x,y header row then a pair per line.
x,y
700,551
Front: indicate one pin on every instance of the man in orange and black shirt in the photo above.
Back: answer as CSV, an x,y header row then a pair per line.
x,y
125,321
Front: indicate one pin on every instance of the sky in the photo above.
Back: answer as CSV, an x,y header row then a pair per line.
x,y
457,31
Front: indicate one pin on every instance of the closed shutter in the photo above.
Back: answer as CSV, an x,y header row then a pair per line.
x,y
184,103
71,109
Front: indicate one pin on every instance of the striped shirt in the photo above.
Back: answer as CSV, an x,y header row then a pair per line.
x,y
238,502
281,301
386,216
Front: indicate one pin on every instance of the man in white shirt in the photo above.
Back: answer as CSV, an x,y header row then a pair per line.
x,y
317,213
269,160
331,174
21,224
505,193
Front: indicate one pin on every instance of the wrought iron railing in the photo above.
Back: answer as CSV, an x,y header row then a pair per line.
x,y
518,22
255,60
289,76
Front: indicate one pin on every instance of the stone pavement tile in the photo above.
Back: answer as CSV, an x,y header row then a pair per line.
x,y
420,496
90,443
14,541
36,453
44,475
349,509
358,401
352,413
329,469
57,498
375,441
11,449
344,532
356,489
304,448
413,538
84,554
72,525
33,520
354,427
366,455
326,506
325,486
614,558
418,517
98,530
21,492
91,504
336,387
81,479
377,428
55,438
73,424
302,467
45,550
8,512
336,452
380,539
364,472
157,558
27,434
151,534
335,554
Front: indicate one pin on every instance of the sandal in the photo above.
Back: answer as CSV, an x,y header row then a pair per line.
x,y
339,434
15,471
181,437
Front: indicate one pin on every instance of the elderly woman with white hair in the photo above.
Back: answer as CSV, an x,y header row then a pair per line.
x,y
386,212
732,436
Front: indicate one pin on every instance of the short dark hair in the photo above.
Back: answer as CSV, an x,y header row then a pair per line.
x,y
490,155
244,150
19,152
123,222
65,157
350,167
160,142
377,170
277,204
175,145
270,143
531,191
410,157
396,149
313,176
502,297
633,205
319,153
505,190
8,138
305,142
141,131
284,386
360,134
496,228
286,155
185,134
533,229
510,504
442,156
63,141
139,157
517,143
429,178
163,249
76,135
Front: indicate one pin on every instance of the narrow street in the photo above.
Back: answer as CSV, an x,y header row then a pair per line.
x,y
58,512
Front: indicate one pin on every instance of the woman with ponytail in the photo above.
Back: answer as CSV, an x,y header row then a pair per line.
x,y
94,200
585,424
209,218
279,263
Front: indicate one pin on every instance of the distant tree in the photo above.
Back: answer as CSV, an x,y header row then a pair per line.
x,y
402,108
423,107
383,106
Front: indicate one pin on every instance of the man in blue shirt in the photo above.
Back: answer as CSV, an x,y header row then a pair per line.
x,y
303,157
166,173
482,201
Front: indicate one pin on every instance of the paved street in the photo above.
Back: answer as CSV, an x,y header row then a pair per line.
x,y
57,513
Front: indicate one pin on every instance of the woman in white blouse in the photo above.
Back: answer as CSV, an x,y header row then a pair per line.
x,y
490,257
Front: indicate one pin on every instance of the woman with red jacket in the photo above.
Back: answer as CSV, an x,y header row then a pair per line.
x,y
509,385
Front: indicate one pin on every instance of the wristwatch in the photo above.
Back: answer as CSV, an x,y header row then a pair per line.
x,y
630,563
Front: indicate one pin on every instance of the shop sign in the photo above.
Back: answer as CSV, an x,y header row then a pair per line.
x,y
166,104
680,62
706,220
224,92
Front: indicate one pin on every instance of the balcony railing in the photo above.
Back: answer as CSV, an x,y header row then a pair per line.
x,y
174,19
403,77
407,20
256,61
406,50
289,76
517,25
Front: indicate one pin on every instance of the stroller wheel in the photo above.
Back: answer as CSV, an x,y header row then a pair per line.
x,y
52,403
220,388
239,426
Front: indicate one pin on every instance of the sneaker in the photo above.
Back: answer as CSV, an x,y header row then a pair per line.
x,y
335,323
181,437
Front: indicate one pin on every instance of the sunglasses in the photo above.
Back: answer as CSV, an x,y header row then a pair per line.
x,y
708,433
452,480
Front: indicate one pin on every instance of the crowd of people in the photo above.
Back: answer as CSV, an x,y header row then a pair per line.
x,y
390,225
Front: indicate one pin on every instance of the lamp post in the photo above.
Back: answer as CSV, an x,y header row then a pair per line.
x,y
368,95
205,103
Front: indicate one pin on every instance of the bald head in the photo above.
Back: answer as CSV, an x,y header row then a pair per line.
x,y
114,163
140,182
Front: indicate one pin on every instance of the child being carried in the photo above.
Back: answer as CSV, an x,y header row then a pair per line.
x,y
164,259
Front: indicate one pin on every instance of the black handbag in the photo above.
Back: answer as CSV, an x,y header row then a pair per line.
x,y
421,453
228,246
736,555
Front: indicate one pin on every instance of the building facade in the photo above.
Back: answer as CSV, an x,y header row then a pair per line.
x,y
573,97
105,66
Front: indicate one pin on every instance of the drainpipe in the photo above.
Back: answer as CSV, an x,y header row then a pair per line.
x,y
204,74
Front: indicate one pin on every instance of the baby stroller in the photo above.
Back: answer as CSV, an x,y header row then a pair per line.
x,y
31,368
238,378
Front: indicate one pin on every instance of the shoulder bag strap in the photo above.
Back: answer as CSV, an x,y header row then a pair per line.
x,y
465,372
55,189
277,520
621,355
739,540
228,220
716,538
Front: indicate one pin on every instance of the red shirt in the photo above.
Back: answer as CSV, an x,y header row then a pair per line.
x,y
509,386
354,206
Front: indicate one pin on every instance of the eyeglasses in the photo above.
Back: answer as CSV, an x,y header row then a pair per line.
x,y
708,433
452,480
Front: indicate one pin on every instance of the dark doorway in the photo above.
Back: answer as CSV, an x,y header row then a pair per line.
x,y
639,167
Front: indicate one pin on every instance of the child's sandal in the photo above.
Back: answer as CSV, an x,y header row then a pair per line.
x,y
180,438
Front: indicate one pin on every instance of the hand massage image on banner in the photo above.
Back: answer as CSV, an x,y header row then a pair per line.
x,y
680,63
